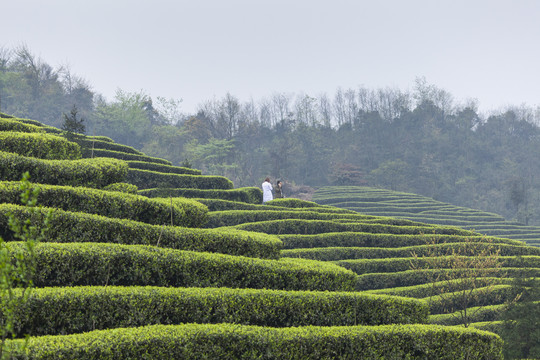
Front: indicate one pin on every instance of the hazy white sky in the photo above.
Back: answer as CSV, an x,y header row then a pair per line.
x,y
197,49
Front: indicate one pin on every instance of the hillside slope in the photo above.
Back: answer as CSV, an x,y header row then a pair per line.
x,y
112,283
382,202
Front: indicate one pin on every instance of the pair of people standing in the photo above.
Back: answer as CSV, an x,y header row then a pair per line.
x,y
267,190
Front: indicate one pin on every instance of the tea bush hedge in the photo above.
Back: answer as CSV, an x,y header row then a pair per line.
x,y
251,195
231,341
306,227
68,310
66,227
179,212
39,145
89,152
493,295
122,187
146,179
89,143
7,124
436,288
417,277
365,266
222,205
98,172
162,168
236,217
350,253
476,314
136,265
365,239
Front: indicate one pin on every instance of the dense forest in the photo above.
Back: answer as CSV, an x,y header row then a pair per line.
x,y
421,141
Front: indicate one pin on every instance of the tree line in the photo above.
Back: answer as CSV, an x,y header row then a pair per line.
x,y
421,141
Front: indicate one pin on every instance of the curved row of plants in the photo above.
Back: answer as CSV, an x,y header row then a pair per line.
x,y
179,212
231,341
70,227
67,310
88,264
382,202
249,195
93,173
39,145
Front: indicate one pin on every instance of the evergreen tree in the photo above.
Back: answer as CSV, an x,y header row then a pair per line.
x,y
73,126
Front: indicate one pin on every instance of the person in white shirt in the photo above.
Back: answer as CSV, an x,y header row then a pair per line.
x,y
267,190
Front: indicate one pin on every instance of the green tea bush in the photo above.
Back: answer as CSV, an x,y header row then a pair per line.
x,y
86,153
222,205
179,212
236,217
162,168
251,195
492,295
381,240
55,311
96,173
7,124
131,265
364,266
146,179
122,187
436,288
306,227
416,277
39,145
231,341
69,227
293,203
479,314
94,143
350,253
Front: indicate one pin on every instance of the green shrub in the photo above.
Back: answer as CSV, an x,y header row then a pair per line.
x,y
146,179
131,265
162,168
122,187
54,311
81,227
86,153
100,138
491,295
350,253
179,212
364,239
415,277
94,143
293,203
231,341
39,145
97,172
306,227
223,205
436,288
236,217
479,314
251,195
7,124
364,266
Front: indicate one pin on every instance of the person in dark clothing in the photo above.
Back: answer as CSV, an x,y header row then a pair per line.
x,y
278,191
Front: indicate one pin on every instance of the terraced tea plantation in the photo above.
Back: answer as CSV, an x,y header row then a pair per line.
x,y
381,202
146,260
